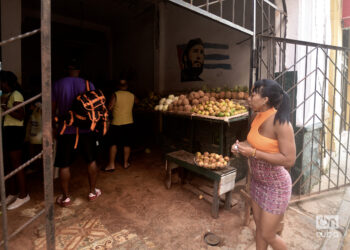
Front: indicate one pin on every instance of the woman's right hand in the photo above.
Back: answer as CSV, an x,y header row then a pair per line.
x,y
234,148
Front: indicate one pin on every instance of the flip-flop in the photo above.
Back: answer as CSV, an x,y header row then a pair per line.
x,y
63,203
108,170
127,166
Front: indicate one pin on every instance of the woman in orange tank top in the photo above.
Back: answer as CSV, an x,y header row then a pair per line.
x,y
270,148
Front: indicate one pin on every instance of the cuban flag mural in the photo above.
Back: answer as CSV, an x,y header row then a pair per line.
x,y
195,56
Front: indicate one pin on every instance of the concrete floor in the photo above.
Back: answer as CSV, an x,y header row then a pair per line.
x,y
136,211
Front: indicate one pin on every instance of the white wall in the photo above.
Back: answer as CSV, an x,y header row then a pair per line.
x,y
178,26
308,20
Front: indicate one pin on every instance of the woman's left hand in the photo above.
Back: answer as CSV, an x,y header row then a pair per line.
x,y
245,149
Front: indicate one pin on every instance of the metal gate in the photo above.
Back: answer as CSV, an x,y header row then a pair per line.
x,y
46,154
316,78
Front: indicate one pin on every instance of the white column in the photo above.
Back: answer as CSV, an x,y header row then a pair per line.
x,y
11,20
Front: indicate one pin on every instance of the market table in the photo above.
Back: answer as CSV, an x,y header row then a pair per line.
x,y
223,122
224,179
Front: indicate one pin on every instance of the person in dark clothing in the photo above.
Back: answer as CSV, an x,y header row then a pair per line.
x,y
64,92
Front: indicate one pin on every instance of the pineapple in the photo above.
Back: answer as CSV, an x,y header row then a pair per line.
x,y
234,94
246,92
240,92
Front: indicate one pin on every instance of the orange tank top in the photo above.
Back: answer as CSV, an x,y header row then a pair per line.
x,y
256,140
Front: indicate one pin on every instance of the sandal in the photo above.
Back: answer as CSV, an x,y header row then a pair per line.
x,y
108,170
93,196
127,166
61,202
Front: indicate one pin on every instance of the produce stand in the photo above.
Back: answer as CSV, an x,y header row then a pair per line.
x,y
223,122
224,179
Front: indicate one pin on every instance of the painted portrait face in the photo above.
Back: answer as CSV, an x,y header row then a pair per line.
x,y
196,56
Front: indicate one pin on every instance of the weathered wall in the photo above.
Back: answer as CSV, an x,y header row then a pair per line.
x,y
134,52
11,18
177,27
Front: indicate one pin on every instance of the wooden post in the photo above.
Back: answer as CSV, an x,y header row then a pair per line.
x,y
168,175
215,205
228,198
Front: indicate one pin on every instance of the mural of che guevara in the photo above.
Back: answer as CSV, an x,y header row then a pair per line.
x,y
192,61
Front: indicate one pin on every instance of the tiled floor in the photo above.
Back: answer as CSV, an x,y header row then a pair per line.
x,y
92,234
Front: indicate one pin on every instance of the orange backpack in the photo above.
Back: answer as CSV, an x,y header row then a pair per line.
x,y
88,112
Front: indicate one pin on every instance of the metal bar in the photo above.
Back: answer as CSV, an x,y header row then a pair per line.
x,y
294,79
283,64
347,127
315,195
269,52
211,16
305,73
297,180
273,56
233,10
338,92
335,81
268,74
26,164
252,73
310,177
244,4
22,104
343,108
301,174
269,20
329,130
207,6
263,13
284,57
260,55
208,3
306,43
323,109
329,154
275,7
221,136
344,87
46,121
3,191
25,225
221,8
303,171
261,42
347,156
313,121
262,17
12,39
284,72
332,120
336,68
280,27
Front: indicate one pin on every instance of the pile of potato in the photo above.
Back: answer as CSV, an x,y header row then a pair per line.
x,y
221,108
211,160
188,102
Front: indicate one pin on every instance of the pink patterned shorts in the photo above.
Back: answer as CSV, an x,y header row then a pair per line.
x,y
271,186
